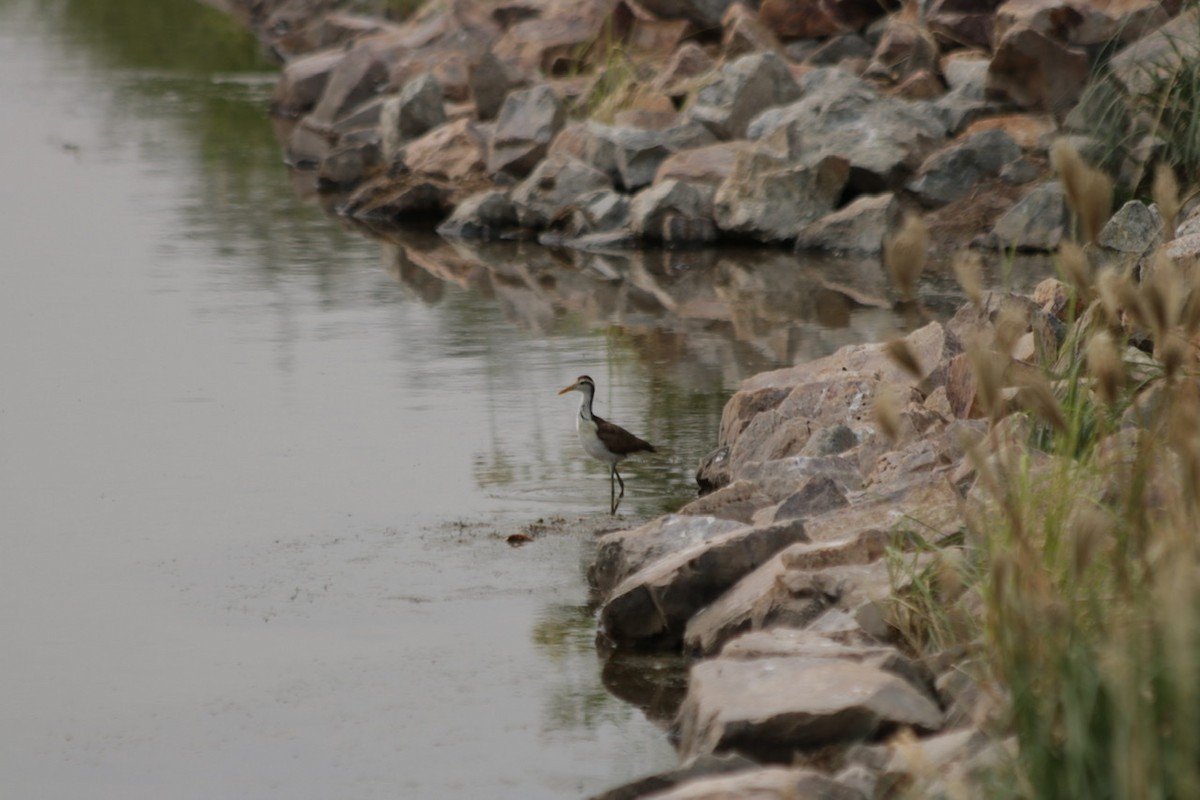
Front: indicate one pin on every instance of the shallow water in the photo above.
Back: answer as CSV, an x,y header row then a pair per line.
x,y
258,466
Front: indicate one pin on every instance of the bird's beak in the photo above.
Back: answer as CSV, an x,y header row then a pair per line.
x,y
570,388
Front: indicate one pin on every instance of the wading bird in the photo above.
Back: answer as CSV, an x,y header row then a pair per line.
x,y
603,440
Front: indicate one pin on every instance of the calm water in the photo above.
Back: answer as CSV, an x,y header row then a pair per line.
x,y
257,467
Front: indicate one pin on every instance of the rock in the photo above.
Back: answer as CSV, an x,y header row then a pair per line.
x,y
527,123
781,477
332,30
737,501
653,208
1037,222
764,783
554,185
302,83
689,62
764,599
701,766
640,153
838,49
651,607
904,50
392,202
953,172
1135,229
1037,72
556,37
1149,60
806,19
771,708
740,91
777,642
595,212
357,77
860,227
490,81
743,33
711,164
621,554
354,159
487,215
830,441
932,346
415,110
773,198
958,23
883,138
816,496
704,14
454,151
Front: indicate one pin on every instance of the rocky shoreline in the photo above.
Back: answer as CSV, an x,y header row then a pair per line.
x,y
842,486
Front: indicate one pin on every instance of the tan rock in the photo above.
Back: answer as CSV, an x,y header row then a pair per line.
x,y
1037,72
774,707
737,501
765,783
453,151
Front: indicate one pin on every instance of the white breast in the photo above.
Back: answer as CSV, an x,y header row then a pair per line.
x,y
591,442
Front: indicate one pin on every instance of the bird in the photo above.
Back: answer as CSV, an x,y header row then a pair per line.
x,y
602,440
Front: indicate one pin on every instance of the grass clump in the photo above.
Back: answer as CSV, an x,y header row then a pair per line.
x,y
1082,546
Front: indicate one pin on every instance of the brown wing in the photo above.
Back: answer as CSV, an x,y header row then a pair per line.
x,y
620,441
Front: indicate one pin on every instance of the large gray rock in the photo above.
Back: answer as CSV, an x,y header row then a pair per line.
x,y
704,13
302,81
632,156
1135,229
762,599
1037,222
653,209
932,345
554,185
357,77
487,215
701,767
652,606
951,173
772,708
859,227
622,553
884,138
764,783
1146,62
416,110
741,90
1036,71
773,198
490,80
527,123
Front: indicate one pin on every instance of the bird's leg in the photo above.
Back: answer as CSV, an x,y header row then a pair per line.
x,y
622,494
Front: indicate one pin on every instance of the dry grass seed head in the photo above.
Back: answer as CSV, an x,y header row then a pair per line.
x,y
987,365
1037,396
1162,294
1089,191
905,253
1108,287
968,270
1012,322
899,352
1076,269
1104,365
1166,197
886,412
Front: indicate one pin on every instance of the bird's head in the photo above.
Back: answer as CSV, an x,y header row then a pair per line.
x,y
582,384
